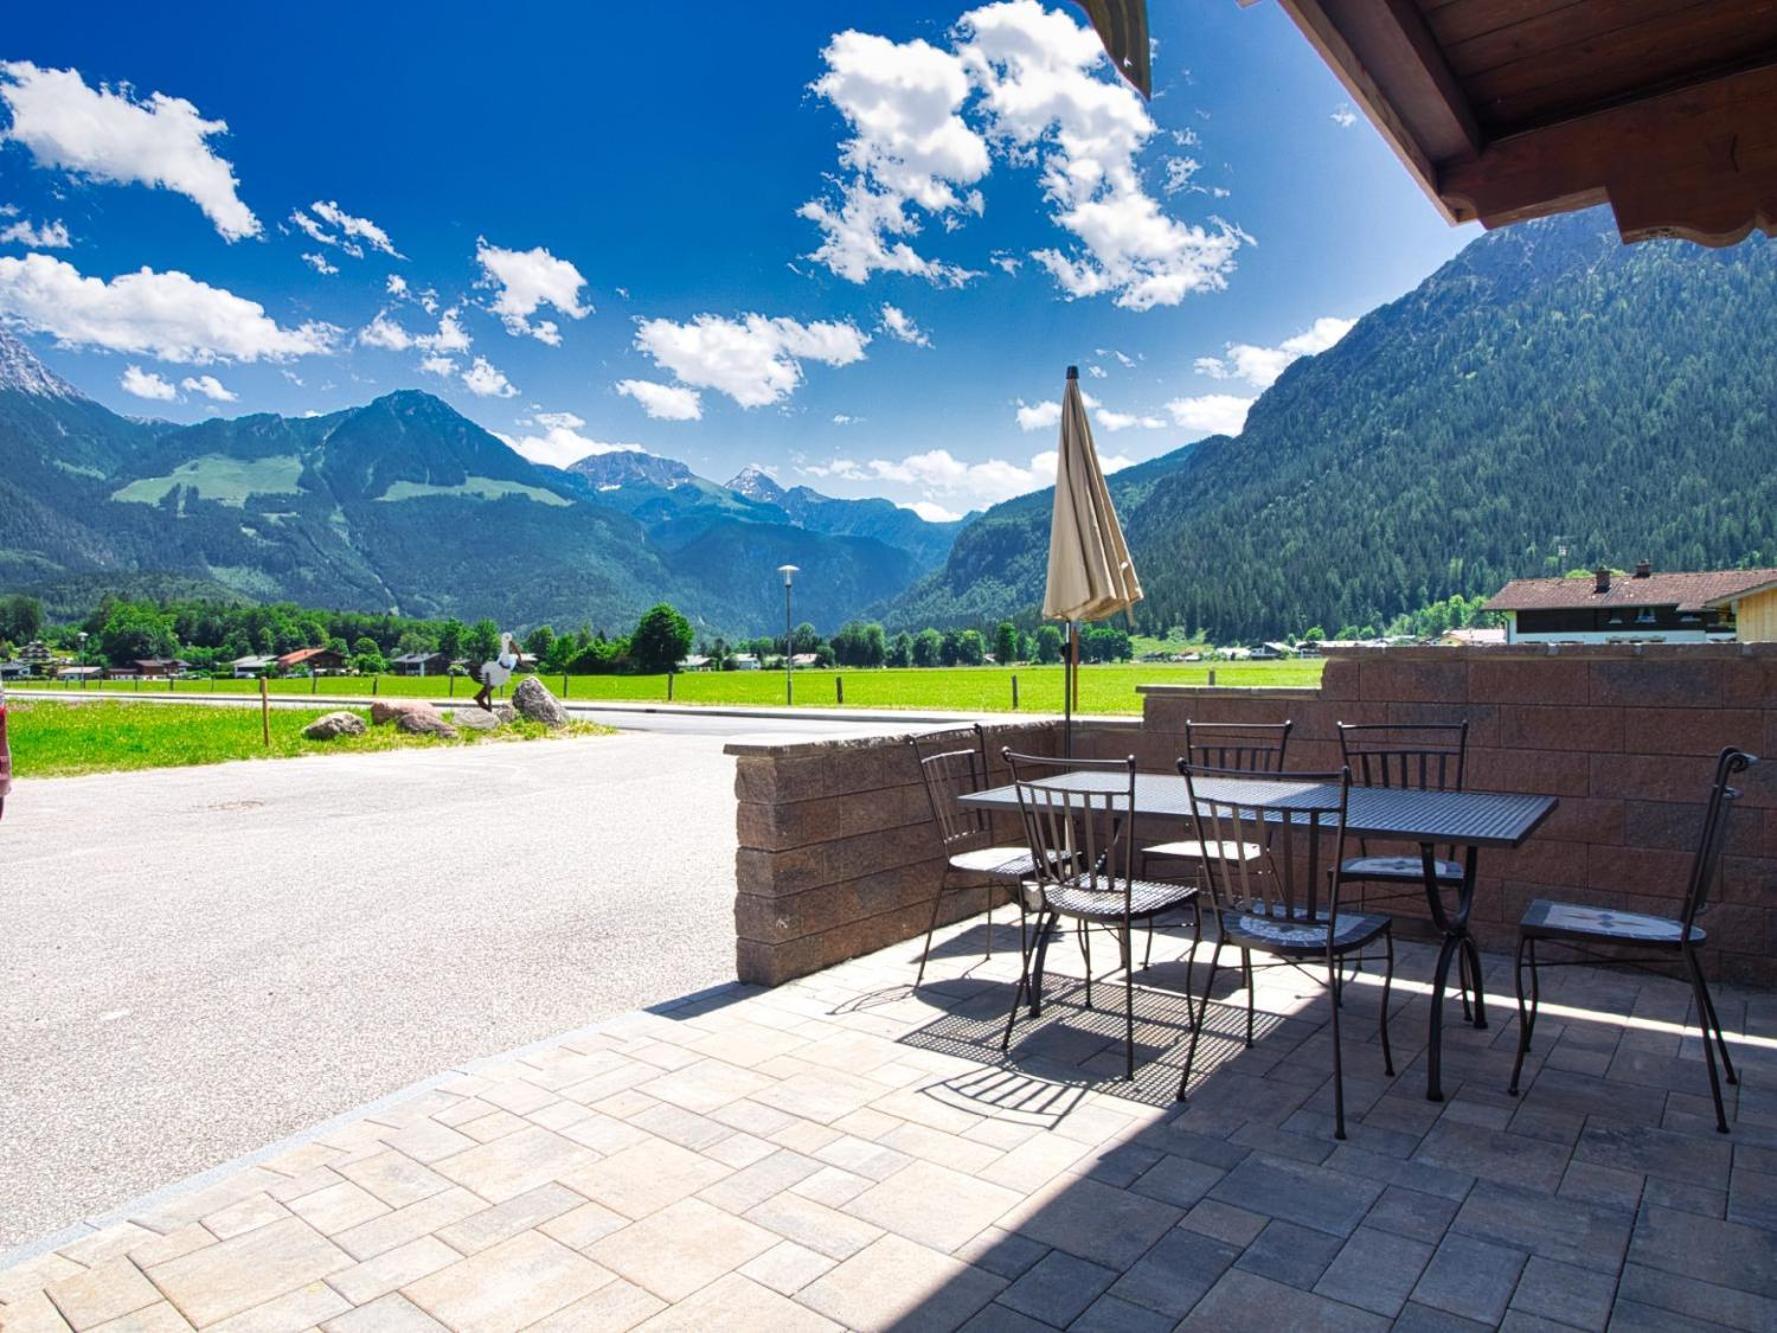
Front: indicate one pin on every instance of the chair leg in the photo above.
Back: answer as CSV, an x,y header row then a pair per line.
x,y
1468,1014
992,885
1338,1062
1215,959
1246,970
1473,952
937,906
1720,1041
1387,982
1086,948
1044,935
1024,951
1701,990
1191,959
1129,1003
1526,1015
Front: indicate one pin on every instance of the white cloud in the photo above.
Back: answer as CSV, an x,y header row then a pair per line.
x,y
320,265
438,365
1180,172
559,421
1343,116
938,474
1211,413
754,360
1261,366
898,324
845,419
209,386
560,445
1110,420
387,333
362,229
664,402
1045,100
931,511
1047,415
909,149
146,384
169,315
1097,372
1006,263
106,134
395,285
528,280
42,236
482,380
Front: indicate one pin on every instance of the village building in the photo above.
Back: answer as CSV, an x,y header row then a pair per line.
x,y
1712,606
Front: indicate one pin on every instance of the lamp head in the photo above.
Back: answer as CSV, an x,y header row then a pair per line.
x,y
789,572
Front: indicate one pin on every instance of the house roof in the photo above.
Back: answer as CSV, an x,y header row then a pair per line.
x,y
418,657
1687,592
1504,112
301,655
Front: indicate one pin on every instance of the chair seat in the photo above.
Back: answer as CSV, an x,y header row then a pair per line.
x,y
1299,933
1577,921
995,862
1408,869
1146,898
1193,850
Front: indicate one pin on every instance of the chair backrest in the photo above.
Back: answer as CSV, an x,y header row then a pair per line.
x,y
1722,795
1250,747
1429,756
953,764
1232,807
1079,820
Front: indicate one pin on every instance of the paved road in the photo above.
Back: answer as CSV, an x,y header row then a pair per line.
x,y
196,962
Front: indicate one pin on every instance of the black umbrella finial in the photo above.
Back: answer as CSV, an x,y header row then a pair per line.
x,y
1073,372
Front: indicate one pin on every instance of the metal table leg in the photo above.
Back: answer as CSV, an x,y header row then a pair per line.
x,y
1456,940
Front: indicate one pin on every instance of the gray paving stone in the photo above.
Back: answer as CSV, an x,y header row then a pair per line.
x,y
1628,1316
1699,1300
1094,1221
1753,1198
1657,1152
1243,1302
1417,1318
1413,1175
1174,1275
1375,1271
1580,1297
1475,1151
1058,1289
1589,1182
1412,1213
1470,1277
997,1318
1310,1196
1003,1252
1110,1315
1584,1234
1728,1254
1659,1192
897,1284
1178,1181
1286,1252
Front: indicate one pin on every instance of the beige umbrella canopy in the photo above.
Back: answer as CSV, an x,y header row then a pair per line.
x,y
1091,575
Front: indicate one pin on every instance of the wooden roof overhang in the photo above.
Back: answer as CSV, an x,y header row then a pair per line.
x,y
1513,109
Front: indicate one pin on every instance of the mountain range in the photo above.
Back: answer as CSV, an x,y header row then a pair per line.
x,y
405,504
1548,399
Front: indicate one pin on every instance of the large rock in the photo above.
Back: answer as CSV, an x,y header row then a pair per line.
x,y
390,710
477,719
533,700
334,725
425,721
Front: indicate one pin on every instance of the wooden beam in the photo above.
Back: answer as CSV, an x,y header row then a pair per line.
x,y
1700,163
1392,40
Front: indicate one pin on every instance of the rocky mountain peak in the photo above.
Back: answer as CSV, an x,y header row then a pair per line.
x,y
22,372
625,467
756,483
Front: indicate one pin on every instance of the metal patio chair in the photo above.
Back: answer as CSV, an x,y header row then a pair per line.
x,y
965,835
1079,821
1249,747
1584,930
1297,920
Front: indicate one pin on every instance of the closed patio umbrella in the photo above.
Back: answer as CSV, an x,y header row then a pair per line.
x,y
1091,575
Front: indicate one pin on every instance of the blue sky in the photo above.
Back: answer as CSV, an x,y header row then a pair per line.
x,y
927,212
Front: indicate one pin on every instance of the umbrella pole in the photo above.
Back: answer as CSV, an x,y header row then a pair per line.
x,y
1070,666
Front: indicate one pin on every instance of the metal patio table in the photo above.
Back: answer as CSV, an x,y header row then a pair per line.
x,y
1467,819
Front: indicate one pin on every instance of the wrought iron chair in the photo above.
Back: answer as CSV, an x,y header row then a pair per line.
x,y
1273,911
1249,747
965,835
1426,756
1080,826
1584,930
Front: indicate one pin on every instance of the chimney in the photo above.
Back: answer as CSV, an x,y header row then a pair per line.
x,y
1601,579
1644,570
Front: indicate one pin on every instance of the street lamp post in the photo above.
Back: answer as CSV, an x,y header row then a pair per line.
x,y
789,572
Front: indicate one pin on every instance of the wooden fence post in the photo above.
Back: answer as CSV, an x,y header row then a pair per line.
x,y
375,681
839,689
669,687
314,683
1014,692
564,684
265,710
1212,675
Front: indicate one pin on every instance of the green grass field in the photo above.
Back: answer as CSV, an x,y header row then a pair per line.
x,y
51,739
1103,689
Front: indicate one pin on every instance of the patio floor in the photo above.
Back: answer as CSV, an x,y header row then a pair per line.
x,y
843,1152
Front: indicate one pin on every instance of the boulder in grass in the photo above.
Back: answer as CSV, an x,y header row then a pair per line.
x,y
331,726
506,712
425,721
391,710
476,719
533,700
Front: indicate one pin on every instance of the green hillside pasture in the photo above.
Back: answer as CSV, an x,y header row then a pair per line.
x,y
217,477
1103,689
51,739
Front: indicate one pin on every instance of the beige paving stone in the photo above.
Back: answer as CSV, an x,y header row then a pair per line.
x,y
248,1214
614,1307
427,1141
111,1288
626,1103
804,1136
519,1096
338,1207
289,1313
827,1230
368,1239
412,1110
645,1178
582,1226
740,1149
704,1086
933,1205
604,1134
822,1095
497,1124
867,1123
302,1159
176,1211
113,1241
509,1286
682,1247
235,1275
316,1178
393,1269
864,1157
185,1239
736,1305
787,1267
935,1145
1035,1162
470,1108
515,1163
32,1312
897,1284
832,1186
395,1178
524,1212
592,1091
393,1313
161,1317
557,1115
665,1055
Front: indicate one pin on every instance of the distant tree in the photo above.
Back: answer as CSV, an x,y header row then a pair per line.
x,y
21,618
805,639
823,654
416,641
366,646
451,637
371,663
661,639
900,650
1005,643
1106,643
971,648
1048,644
135,631
540,641
928,648
481,644
860,644
1315,634
340,646
950,647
